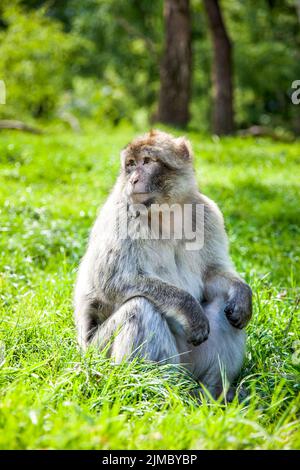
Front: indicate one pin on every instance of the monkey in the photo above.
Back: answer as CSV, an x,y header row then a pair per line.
x,y
150,296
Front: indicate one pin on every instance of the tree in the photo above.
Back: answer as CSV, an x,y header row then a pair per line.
x,y
223,119
175,70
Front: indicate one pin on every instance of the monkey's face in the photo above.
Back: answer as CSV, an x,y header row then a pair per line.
x,y
157,169
145,177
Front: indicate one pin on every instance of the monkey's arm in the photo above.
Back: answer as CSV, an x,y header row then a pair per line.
x,y
220,277
236,293
172,302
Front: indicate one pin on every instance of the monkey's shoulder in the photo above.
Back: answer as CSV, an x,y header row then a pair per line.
x,y
211,208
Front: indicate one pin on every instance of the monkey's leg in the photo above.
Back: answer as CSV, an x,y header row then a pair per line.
x,y
137,329
218,361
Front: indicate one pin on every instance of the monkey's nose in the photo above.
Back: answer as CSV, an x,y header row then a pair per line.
x,y
134,179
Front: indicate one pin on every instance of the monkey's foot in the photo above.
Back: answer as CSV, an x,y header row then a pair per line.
x,y
198,334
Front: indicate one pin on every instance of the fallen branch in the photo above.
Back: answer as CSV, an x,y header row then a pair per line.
x,y
19,125
262,131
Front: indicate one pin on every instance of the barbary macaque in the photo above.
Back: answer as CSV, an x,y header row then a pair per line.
x,y
163,298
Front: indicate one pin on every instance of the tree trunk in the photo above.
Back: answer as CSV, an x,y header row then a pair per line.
x,y
223,120
175,70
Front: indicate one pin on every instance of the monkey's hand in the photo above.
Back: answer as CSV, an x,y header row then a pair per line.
x,y
197,330
239,307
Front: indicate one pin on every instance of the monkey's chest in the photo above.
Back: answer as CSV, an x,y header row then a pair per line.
x,y
175,266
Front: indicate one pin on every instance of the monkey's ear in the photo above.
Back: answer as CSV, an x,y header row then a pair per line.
x,y
184,149
154,133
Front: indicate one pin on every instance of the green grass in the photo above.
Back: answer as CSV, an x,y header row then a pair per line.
x,y
52,396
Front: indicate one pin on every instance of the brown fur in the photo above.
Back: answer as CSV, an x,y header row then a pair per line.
x,y
171,150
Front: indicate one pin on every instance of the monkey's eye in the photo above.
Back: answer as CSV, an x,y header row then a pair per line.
x,y
131,163
146,160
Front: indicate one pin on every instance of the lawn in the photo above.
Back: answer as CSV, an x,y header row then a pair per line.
x,y
52,395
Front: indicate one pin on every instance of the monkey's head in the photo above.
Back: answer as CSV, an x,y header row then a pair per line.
x,y
157,168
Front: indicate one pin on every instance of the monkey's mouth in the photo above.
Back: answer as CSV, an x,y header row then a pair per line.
x,y
140,197
146,198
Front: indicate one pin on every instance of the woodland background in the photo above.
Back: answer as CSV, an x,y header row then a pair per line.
x,y
209,65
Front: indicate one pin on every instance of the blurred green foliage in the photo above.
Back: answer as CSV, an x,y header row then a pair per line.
x,y
100,59
37,61
266,37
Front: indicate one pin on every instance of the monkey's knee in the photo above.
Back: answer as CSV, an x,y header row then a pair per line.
x,y
138,329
